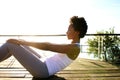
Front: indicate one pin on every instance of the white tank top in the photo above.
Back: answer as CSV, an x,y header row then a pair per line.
x,y
57,63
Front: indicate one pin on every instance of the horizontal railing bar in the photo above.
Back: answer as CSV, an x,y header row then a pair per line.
x,y
37,35
64,35
102,34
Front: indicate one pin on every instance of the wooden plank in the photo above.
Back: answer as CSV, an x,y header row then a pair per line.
x,y
64,74
100,78
89,75
100,71
12,75
110,78
15,78
65,71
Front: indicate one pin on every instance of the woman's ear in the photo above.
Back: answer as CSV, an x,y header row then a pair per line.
x,y
77,32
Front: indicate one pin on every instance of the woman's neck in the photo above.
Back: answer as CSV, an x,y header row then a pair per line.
x,y
75,41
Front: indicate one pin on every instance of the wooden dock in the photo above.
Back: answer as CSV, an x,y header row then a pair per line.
x,y
80,69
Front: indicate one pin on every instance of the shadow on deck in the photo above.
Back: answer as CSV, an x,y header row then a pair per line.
x,y
80,69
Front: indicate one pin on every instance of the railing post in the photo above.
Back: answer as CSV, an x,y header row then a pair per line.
x,y
100,46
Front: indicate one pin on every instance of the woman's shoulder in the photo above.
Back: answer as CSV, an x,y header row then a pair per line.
x,y
74,52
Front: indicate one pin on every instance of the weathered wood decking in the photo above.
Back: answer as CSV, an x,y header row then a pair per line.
x,y
81,69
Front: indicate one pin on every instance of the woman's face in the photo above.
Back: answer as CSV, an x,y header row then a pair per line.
x,y
71,33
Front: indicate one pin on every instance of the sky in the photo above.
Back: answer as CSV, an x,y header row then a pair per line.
x,y
37,17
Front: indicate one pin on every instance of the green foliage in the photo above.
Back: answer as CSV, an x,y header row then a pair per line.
x,y
93,43
110,48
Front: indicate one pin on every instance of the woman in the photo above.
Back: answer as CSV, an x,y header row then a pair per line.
x,y
46,66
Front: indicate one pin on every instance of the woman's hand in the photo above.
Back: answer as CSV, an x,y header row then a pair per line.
x,y
15,41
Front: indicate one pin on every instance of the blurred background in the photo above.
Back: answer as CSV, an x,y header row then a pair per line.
x,y
48,20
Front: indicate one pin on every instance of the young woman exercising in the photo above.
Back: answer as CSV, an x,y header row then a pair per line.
x,y
44,67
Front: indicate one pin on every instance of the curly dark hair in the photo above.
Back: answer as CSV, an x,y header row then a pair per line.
x,y
79,24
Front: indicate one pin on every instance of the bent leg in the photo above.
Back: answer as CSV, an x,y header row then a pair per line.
x,y
31,51
4,52
30,61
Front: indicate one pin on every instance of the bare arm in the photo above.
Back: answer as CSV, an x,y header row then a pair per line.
x,y
38,45
72,50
